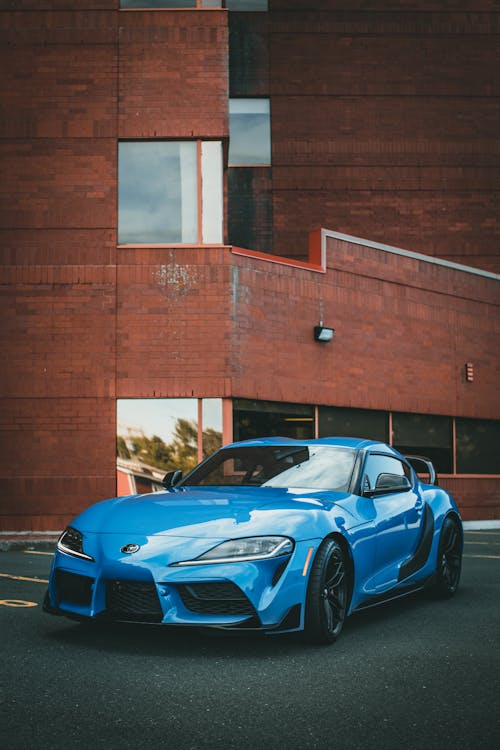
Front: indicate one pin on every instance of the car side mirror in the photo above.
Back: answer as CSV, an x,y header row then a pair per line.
x,y
171,478
387,484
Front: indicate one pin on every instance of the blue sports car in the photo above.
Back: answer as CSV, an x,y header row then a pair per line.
x,y
276,535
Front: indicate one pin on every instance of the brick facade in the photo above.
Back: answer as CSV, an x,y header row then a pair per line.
x,y
402,151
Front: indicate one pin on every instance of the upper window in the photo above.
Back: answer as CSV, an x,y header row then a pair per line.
x,y
158,195
249,132
157,192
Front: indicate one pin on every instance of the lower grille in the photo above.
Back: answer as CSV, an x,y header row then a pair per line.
x,y
133,600
73,588
216,598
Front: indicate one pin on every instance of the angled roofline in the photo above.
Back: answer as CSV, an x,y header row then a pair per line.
x,y
399,251
317,254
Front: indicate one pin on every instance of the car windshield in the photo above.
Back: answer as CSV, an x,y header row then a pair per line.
x,y
317,467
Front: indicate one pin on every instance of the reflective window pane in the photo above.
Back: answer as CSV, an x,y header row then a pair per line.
x,y
478,442
157,192
254,419
211,425
425,435
249,131
154,436
344,422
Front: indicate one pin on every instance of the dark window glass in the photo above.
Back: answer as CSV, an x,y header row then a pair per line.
x,y
255,419
384,473
249,131
425,435
248,57
364,423
250,208
310,467
478,446
247,4
157,192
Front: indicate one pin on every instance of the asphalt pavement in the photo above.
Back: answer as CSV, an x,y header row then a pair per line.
x,y
414,674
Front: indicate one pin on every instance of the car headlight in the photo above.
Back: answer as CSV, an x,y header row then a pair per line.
x,y
244,550
71,542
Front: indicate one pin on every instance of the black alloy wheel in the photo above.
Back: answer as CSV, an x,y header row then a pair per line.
x,y
327,594
449,562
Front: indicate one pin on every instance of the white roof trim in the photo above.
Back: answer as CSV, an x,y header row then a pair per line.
x,y
406,253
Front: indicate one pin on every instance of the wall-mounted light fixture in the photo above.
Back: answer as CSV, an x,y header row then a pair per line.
x,y
323,334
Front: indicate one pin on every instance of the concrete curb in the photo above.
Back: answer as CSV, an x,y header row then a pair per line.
x,y
25,540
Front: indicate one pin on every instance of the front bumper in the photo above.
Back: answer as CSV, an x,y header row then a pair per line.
x,y
266,595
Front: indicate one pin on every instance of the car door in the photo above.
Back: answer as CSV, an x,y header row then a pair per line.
x,y
398,508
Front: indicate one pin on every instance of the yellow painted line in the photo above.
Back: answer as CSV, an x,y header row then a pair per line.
x,y
17,603
23,578
34,552
486,557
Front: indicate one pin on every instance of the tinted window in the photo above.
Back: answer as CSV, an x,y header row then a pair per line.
x,y
246,4
256,419
478,442
425,435
250,207
384,473
367,423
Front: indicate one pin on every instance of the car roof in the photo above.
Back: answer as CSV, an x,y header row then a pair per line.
x,y
340,442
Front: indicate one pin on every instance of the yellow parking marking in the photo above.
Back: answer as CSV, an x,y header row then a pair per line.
x,y
486,557
23,578
35,552
492,543
17,603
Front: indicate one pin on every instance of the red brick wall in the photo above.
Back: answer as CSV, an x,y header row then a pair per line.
x,y
404,329
385,125
174,323
84,323
173,74
195,322
76,76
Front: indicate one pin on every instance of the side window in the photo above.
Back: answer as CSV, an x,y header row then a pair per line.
x,y
385,474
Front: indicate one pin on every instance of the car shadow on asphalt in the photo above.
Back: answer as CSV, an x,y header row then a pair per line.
x,y
181,642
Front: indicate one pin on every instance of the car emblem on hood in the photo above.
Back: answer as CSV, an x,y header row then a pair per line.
x,y
129,549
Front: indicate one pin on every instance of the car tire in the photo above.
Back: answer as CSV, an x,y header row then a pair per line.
x,y
449,559
327,594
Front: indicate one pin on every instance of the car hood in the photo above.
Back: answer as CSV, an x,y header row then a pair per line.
x,y
218,513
